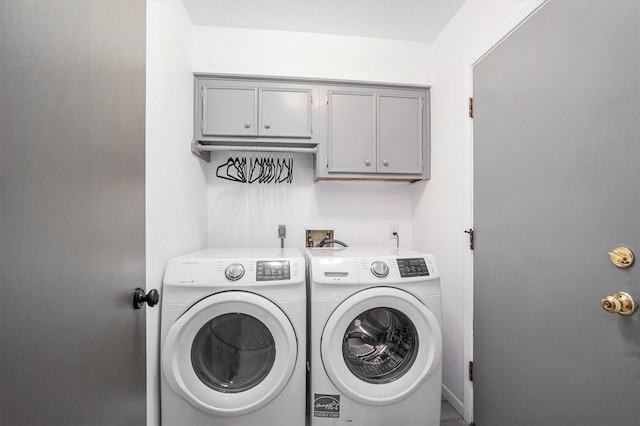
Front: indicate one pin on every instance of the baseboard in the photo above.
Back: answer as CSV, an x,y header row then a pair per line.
x,y
451,399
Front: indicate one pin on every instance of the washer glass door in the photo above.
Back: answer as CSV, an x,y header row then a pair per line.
x,y
233,352
380,344
230,353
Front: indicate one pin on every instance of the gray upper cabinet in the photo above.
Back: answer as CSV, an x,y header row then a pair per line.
x,y
374,133
356,130
400,133
351,131
285,112
253,111
229,111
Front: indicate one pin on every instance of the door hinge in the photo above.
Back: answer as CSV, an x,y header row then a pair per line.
x,y
471,107
471,237
471,371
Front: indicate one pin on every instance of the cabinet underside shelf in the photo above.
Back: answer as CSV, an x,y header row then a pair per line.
x,y
204,151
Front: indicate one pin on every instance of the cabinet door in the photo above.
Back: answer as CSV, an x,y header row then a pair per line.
x,y
351,131
285,112
400,133
229,111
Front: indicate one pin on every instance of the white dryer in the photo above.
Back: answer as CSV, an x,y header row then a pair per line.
x,y
233,333
375,339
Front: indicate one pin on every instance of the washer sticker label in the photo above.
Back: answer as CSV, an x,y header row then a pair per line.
x,y
326,405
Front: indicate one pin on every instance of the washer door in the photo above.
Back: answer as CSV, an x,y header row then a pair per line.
x,y
380,344
230,354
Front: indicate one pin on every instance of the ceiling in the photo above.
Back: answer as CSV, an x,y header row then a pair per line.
x,y
408,20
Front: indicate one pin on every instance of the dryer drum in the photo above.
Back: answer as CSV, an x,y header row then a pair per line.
x,y
233,353
380,345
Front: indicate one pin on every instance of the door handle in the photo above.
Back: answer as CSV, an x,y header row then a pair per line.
x,y
619,303
139,298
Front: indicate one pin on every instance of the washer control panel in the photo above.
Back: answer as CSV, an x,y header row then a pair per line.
x,y
414,267
272,270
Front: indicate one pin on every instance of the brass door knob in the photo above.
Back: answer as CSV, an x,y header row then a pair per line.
x,y
611,304
619,303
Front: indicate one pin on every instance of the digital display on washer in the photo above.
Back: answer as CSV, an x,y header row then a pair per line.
x,y
413,267
272,270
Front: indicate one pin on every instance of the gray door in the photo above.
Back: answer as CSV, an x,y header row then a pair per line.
x,y
72,120
557,178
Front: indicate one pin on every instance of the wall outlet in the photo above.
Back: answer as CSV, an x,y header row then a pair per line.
x,y
393,227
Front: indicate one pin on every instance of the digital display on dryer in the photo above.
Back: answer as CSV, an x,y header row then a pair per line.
x,y
413,268
273,270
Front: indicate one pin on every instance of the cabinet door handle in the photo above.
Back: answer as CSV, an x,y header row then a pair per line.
x,y
247,125
267,125
367,162
385,163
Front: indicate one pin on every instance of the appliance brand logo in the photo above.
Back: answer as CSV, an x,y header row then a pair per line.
x,y
326,405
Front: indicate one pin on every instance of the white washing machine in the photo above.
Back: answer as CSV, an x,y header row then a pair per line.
x,y
375,339
233,333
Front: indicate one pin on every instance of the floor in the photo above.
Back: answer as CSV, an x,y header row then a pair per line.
x,y
450,417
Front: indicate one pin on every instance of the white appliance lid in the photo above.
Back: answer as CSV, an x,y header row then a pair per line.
x,y
244,253
345,252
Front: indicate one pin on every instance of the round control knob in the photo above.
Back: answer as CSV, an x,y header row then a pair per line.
x,y
234,272
379,269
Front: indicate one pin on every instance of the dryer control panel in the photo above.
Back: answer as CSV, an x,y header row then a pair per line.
x,y
272,270
415,267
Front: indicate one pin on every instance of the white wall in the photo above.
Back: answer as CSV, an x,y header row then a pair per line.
x,y
442,206
243,215
189,208
175,180
247,215
277,53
